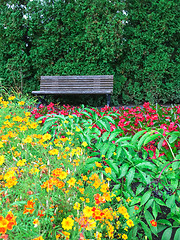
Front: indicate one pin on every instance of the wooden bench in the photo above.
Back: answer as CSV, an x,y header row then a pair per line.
x,y
98,84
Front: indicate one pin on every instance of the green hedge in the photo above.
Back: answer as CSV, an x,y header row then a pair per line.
x,y
139,45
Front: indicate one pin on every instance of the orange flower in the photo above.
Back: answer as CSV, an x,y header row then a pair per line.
x,y
29,208
153,223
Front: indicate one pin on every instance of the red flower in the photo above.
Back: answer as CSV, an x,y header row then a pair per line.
x,y
153,223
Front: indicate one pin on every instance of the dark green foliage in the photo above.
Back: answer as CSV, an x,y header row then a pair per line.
x,y
151,61
88,37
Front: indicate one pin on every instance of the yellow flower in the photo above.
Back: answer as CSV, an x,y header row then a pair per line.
x,y
67,223
1,159
21,162
124,236
11,98
53,152
87,212
21,103
108,170
130,223
128,200
84,144
98,164
77,206
28,139
118,199
78,129
71,181
1,144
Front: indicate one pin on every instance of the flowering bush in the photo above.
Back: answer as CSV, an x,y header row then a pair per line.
x,y
84,173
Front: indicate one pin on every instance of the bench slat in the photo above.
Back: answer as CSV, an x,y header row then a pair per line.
x,y
95,77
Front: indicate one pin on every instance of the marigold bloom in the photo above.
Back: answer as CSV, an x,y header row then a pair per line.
x,y
153,223
67,223
130,223
2,159
77,206
136,208
124,236
87,211
71,181
53,152
38,238
108,170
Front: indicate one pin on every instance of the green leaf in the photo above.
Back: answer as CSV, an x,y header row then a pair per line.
x,y
130,176
145,197
148,204
122,139
139,189
112,136
177,234
164,222
159,146
147,165
146,230
105,136
143,138
113,166
167,234
160,202
136,136
155,209
170,201
104,148
111,150
172,138
123,170
110,119
103,124
149,217
151,138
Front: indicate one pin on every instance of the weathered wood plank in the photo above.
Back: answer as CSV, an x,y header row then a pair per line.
x,y
78,77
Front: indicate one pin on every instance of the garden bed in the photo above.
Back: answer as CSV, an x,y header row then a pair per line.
x,y
88,173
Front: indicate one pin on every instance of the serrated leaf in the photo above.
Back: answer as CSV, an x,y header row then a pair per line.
x,y
167,234
130,176
122,139
145,197
104,148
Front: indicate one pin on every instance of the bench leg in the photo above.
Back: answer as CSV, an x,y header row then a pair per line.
x,y
108,96
41,101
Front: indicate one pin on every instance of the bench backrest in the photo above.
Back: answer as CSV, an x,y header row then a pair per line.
x,y
77,84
